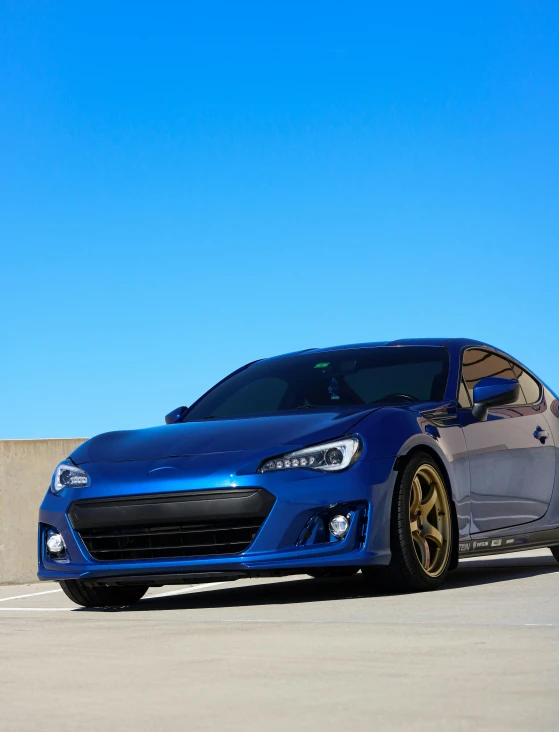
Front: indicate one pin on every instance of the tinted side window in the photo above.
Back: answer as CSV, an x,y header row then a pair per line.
x,y
528,384
478,364
463,398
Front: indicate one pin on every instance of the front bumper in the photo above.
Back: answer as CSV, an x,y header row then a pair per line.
x,y
364,490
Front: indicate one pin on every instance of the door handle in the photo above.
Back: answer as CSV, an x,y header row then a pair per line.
x,y
541,435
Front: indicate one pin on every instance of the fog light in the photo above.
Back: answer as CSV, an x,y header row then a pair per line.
x,y
339,526
55,544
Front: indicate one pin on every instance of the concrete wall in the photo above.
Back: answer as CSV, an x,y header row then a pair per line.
x,y
26,467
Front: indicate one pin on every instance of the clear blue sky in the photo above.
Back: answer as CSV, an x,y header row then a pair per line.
x,y
188,186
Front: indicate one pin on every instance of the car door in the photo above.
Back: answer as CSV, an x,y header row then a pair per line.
x,y
512,467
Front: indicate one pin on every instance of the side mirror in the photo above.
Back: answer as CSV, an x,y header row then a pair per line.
x,y
176,415
493,391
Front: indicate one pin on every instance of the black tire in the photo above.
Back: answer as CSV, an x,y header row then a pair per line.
x,y
405,572
555,551
88,596
334,573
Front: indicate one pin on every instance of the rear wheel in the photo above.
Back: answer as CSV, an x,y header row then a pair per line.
x,y
555,551
334,572
421,530
88,596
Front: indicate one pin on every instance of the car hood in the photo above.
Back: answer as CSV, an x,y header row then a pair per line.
x,y
275,432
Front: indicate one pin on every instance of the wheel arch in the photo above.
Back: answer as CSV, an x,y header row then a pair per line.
x,y
404,458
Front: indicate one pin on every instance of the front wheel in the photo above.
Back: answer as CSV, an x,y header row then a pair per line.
x,y
421,529
92,596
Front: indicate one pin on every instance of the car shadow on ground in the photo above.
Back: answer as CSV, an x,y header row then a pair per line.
x,y
302,589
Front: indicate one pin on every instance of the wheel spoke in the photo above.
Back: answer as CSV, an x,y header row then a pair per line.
x,y
430,500
416,496
421,550
432,533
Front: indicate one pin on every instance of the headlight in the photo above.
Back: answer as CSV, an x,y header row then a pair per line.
x,y
68,475
330,456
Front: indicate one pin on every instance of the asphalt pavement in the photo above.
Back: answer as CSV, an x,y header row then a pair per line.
x,y
482,653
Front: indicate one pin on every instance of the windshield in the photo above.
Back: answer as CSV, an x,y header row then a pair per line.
x,y
348,377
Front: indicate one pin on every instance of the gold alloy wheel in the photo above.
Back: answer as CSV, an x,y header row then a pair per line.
x,y
430,520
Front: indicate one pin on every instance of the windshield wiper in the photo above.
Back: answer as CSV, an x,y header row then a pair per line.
x,y
309,406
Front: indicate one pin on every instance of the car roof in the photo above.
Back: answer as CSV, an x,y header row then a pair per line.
x,y
453,344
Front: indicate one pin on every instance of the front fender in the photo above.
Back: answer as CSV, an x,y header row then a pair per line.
x,y
395,432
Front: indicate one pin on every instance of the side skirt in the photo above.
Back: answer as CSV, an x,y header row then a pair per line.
x,y
495,544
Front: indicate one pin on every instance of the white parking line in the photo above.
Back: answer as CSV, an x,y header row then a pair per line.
x,y
37,609
30,594
302,621
184,590
196,588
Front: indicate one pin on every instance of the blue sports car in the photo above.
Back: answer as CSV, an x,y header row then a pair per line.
x,y
393,458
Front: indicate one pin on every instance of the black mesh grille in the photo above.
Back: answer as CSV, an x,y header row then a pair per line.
x,y
171,525
203,538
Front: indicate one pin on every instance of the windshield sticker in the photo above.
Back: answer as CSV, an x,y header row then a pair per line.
x,y
322,365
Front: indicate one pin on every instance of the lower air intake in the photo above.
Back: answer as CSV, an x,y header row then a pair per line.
x,y
171,526
204,539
